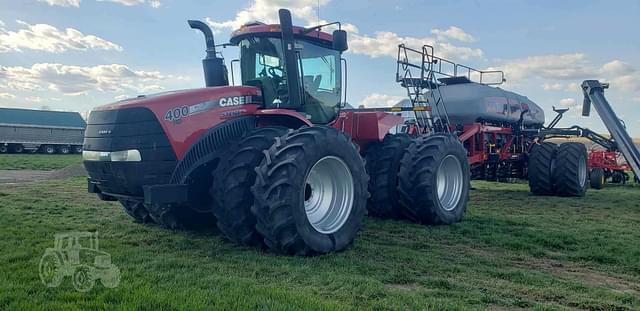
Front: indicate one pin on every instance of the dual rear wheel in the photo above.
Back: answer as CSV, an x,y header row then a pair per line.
x,y
424,179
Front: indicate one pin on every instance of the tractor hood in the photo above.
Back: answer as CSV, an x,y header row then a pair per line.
x,y
182,115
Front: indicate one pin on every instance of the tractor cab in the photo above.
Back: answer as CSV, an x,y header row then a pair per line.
x,y
263,58
295,68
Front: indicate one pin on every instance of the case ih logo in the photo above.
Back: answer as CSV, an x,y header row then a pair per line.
x,y
234,101
177,113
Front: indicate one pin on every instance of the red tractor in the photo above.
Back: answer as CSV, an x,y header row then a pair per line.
x,y
274,162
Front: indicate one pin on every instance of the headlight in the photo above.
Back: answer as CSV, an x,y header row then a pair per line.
x,y
114,156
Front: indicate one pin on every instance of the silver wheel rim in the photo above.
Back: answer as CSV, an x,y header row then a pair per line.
x,y
450,182
328,194
582,171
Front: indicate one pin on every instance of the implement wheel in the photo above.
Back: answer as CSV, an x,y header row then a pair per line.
x,y
434,180
310,192
232,186
570,174
542,160
383,165
597,178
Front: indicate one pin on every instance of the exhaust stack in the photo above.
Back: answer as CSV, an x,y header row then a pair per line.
x,y
215,71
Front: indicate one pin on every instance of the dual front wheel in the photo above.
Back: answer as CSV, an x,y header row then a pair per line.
x,y
299,192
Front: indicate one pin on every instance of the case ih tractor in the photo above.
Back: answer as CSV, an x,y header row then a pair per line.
x,y
274,162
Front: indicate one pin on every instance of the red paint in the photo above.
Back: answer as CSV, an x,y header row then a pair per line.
x,y
183,134
366,127
258,29
607,160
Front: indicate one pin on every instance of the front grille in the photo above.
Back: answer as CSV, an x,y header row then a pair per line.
x,y
124,129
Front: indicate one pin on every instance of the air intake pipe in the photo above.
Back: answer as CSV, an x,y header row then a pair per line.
x,y
215,71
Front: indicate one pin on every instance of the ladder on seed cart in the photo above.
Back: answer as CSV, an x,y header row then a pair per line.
x,y
417,71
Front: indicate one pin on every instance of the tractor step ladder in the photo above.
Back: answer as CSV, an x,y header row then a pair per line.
x,y
594,94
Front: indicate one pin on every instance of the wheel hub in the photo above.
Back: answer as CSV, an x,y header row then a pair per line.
x,y
328,194
450,182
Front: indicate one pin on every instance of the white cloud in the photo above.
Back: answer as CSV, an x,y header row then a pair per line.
x,y
76,3
617,67
553,87
43,37
76,80
568,103
7,96
454,33
377,100
121,97
66,3
266,11
34,99
386,43
568,87
383,43
552,67
125,2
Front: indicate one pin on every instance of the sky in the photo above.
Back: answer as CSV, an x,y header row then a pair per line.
x,y
74,55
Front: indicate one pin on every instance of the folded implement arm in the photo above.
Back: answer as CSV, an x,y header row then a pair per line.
x,y
594,95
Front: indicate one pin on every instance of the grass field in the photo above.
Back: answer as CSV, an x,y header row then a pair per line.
x,y
46,162
512,251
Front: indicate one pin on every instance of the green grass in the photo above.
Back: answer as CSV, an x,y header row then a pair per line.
x,y
46,162
512,251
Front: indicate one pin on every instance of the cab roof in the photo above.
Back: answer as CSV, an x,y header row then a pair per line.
x,y
273,30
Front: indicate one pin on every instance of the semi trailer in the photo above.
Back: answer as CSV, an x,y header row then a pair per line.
x,y
25,130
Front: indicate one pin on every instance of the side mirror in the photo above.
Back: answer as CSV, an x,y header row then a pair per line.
x,y
340,40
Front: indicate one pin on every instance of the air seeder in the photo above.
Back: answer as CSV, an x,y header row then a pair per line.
x,y
503,132
274,162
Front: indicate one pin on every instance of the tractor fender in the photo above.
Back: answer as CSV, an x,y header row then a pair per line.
x,y
210,146
282,117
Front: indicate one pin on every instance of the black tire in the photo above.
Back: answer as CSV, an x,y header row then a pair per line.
x,y
64,149
48,149
282,189
570,173
232,187
16,148
77,149
420,168
596,178
137,211
542,158
383,164
4,149
180,217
